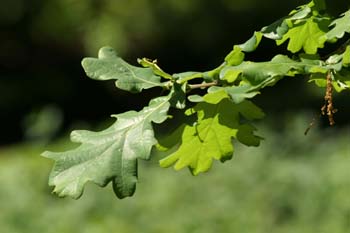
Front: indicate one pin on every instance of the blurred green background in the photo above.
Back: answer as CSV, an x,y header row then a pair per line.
x,y
292,183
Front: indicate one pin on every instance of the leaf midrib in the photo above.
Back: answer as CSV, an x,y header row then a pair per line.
x,y
136,77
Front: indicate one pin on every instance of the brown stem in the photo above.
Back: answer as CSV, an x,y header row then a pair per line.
x,y
202,85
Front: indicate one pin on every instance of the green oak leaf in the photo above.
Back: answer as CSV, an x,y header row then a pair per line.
x,y
250,112
187,76
279,28
346,57
195,98
318,79
235,57
334,59
237,93
214,96
341,80
314,65
340,27
244,135
108,66
251,44
148,63
178,95
211,135
341,86
108,155
301,12
276,30
261,74
232,75
306,34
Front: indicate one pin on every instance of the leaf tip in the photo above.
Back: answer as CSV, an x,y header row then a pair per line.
x,y
107,52
47,154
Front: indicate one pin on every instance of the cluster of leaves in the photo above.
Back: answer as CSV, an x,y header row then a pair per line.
x,y
211,121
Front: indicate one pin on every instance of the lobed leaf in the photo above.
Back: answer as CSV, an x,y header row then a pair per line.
x,y
340,27
307,35
109,155
304,27
237,93
277,29
261,74
109,66
211,135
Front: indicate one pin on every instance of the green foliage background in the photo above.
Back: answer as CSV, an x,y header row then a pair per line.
x,y
290,184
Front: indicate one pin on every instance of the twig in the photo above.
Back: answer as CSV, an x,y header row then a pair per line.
x,y
202,85
312,124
